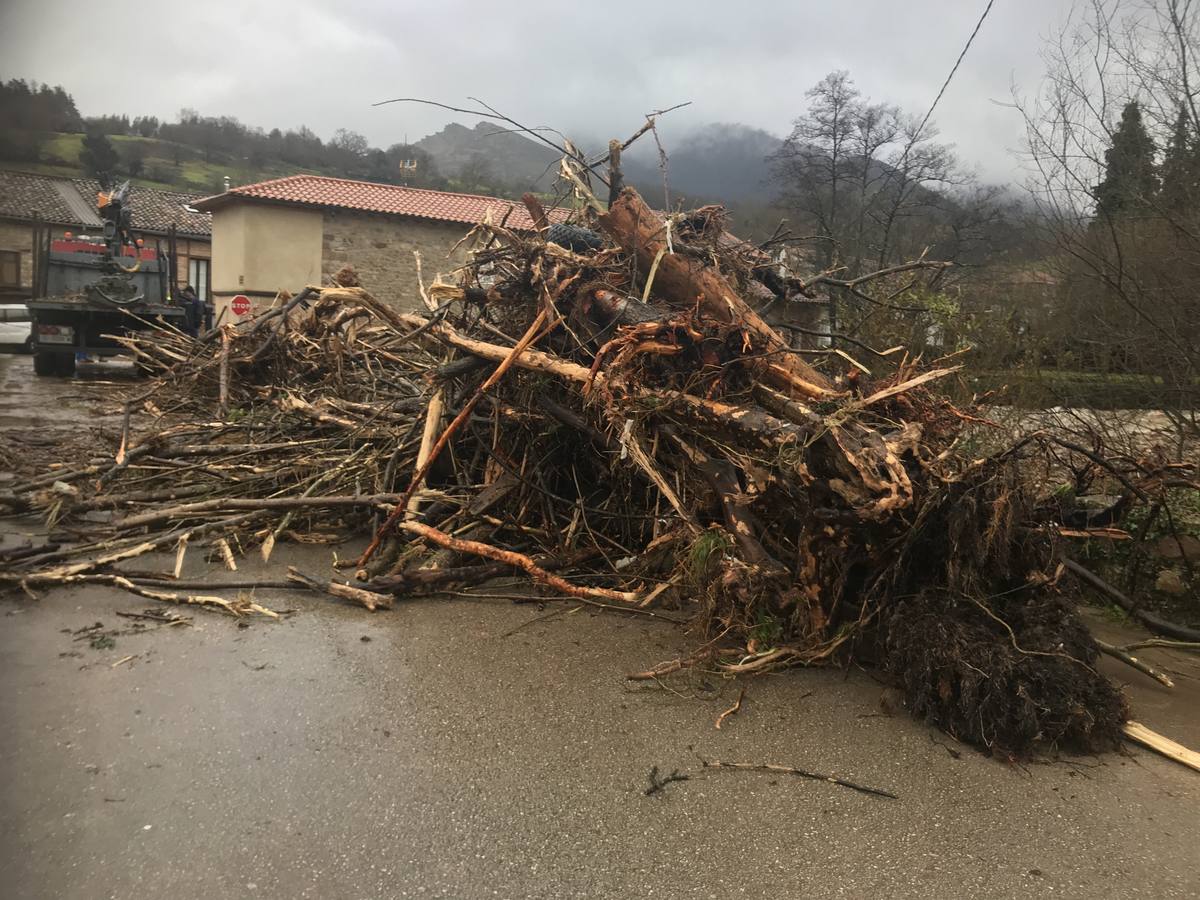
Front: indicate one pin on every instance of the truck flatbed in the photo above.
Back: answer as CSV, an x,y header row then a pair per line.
x,y
66,326
74,304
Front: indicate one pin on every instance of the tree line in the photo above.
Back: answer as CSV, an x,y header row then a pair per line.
x,y
33,113
29,110
1113,144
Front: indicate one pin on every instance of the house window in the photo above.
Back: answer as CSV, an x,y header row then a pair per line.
x,y
198,276
10,268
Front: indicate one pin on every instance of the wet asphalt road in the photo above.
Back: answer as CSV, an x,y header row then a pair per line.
x,y
40,412
431,751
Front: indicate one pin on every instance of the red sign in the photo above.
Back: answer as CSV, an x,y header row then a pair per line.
x,y
240,305
97,246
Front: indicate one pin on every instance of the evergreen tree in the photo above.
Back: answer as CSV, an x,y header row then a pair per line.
x,y
36,108
1130,181
98,157
1181,168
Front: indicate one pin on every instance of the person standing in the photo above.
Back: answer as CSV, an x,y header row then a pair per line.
x,y
193,308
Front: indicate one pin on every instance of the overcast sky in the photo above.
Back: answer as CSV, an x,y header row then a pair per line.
x,y
589,69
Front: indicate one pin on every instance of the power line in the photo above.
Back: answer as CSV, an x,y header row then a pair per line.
x,y
916,135
945,84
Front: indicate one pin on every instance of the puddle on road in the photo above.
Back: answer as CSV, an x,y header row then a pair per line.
x,y
93,398
57,420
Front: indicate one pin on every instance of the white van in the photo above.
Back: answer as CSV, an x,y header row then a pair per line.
x,y
16,331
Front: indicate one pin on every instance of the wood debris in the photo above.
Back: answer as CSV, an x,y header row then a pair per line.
x,y
612,418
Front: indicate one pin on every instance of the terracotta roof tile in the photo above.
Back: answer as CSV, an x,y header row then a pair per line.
x,y
385,199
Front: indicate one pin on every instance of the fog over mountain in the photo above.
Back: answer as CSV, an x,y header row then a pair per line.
x,y
724,162
721,161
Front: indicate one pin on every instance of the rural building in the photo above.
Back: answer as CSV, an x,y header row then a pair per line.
x,y
68,205
802,321
289,232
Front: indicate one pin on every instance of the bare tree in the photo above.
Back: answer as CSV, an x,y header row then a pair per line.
x,y
348,152
855,169
870,182
815,162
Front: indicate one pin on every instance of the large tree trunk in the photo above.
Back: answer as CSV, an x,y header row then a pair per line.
x,y
642,232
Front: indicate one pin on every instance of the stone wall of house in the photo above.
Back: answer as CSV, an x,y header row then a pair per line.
x,y
810,315
18,237
380,248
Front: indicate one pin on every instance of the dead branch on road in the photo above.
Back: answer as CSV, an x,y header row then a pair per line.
x,y
1134,662
800,773
732,710
657,782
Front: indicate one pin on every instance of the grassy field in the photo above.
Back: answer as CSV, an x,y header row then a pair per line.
x,y
60,157
169,165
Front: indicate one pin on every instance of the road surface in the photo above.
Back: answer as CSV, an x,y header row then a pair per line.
x,y
472,748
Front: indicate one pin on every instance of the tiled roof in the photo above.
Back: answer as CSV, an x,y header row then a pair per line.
x,y
157,210
386,199
53,200
65,201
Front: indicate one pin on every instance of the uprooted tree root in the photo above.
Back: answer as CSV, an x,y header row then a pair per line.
x,y
1006,676
959,612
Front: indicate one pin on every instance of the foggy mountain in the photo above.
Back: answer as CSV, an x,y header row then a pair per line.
x,y
499,156
716,163
721,162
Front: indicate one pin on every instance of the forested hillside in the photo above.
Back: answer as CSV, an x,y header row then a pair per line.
x,y
45,133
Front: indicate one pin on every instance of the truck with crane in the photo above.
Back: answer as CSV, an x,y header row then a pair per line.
x,y
91,291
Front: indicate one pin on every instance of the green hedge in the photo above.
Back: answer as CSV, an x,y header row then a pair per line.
x,y
1095,390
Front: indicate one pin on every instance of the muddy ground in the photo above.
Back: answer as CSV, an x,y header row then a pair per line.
x,y
476,748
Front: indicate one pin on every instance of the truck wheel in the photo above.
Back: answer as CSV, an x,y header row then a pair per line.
x,y
28,346
66,364
44,362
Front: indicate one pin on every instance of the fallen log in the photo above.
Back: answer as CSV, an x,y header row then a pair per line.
x,y
535,360
236,607
1140,734
640,231
1135,663
224,504
1152,621
370,600
519,561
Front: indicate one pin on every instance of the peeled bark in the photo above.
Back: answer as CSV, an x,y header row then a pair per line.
x,y
640,230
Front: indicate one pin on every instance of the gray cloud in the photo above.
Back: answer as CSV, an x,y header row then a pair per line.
x,y
590,70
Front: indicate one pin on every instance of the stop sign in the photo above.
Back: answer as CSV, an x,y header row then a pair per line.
x,y
240,305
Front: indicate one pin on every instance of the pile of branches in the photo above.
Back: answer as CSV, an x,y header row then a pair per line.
x,y
602,409
288,427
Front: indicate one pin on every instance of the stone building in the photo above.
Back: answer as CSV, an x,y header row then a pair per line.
x,y
68,206
290,232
